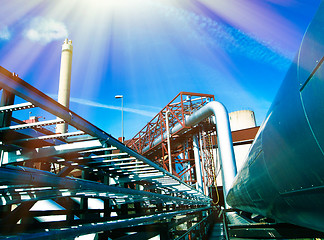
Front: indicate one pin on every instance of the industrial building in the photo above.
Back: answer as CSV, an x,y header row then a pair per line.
x,y
194,171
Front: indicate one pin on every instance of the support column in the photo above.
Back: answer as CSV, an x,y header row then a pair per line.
x,y
199,185
107,211
7,98
84,206
164,231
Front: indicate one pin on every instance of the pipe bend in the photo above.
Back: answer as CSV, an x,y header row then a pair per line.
x,y
224,136
212,108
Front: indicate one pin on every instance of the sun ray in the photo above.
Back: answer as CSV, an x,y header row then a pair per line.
x,y
153,49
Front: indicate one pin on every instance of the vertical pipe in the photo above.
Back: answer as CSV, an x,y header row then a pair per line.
x,y
203,159
65,80
187,175
224,139
168,139
197,163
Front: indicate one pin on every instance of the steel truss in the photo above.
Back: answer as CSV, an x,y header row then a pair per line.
x,y
151,141
96,183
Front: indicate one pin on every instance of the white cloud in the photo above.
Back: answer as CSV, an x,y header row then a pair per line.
x,y
100,105
217,35
45,30
5,34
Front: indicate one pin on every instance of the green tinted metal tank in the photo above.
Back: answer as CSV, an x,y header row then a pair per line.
x,y
283,177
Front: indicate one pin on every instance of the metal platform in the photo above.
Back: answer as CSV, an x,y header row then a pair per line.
x,y
96,183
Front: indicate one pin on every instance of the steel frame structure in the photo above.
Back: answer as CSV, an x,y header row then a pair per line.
x,y
192,149
180,106
85,164
183,162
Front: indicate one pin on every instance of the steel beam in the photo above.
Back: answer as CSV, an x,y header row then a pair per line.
x,y
84,229
33,177
131,167
31,125
50,151
31,94
99,149
54,136
103,156
18,213
20,106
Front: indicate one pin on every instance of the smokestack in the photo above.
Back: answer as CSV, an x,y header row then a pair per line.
x,y
65,80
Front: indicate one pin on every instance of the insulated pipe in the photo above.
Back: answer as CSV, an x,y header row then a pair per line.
x,y
197,164
65,80
204,173
236,219
224,138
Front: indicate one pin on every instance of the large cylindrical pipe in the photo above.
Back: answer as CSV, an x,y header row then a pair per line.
x,y
224,137
283,176
65,80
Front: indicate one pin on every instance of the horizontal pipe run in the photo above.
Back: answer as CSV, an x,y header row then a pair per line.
x,y
236,219
104,226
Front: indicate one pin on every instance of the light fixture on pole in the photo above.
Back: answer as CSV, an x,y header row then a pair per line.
x,y
122,115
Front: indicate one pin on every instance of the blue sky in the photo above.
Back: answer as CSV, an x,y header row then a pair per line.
x,y
150,50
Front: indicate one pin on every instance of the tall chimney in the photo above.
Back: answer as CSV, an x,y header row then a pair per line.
x,y
65,80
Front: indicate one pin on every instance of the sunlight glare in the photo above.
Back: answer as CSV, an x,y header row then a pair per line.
x,y
256,18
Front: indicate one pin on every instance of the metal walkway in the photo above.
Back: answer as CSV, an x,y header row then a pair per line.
x,y
96,183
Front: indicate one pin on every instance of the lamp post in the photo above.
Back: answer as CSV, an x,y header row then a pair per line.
x,y
122,115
